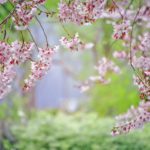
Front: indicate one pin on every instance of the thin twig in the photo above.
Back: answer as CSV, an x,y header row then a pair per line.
x,y
118,8
46,12
66,30
128,6
42,30
32,38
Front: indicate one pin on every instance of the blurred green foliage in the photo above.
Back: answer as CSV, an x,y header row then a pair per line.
x,y
10,107
73,132
52,5
116,97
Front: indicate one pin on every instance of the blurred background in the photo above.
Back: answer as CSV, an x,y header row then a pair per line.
x,y
55,115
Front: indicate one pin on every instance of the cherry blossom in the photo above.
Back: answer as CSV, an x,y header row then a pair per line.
x,y
3,1
121,31
11,55
16,53
40,67
7,76
80,12
145,42
4,52
122,55
23,14
135,118
75,43
143,86
103,67
21,52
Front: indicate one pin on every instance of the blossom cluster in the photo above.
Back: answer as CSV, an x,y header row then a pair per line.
x,y
2,1
121,55
16,53
11,55
25,12
143,86
140,60
80,12
39,67
135,118
103,67
7,75
75,44
121,30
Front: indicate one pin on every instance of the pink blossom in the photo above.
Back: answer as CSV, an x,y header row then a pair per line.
x,y
120,55
40,67
103,67
16,53
143,86
80,12
145,42
84,87
142,62
4,52
21,52
121,31
133,119
3,1
23,14
7,76
75,43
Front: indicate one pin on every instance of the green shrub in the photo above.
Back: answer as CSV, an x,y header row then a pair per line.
x,y
74,132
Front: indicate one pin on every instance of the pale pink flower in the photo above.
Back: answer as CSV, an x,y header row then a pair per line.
x,y
120,55
40,67
133,119
75,44
121,30
3,1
